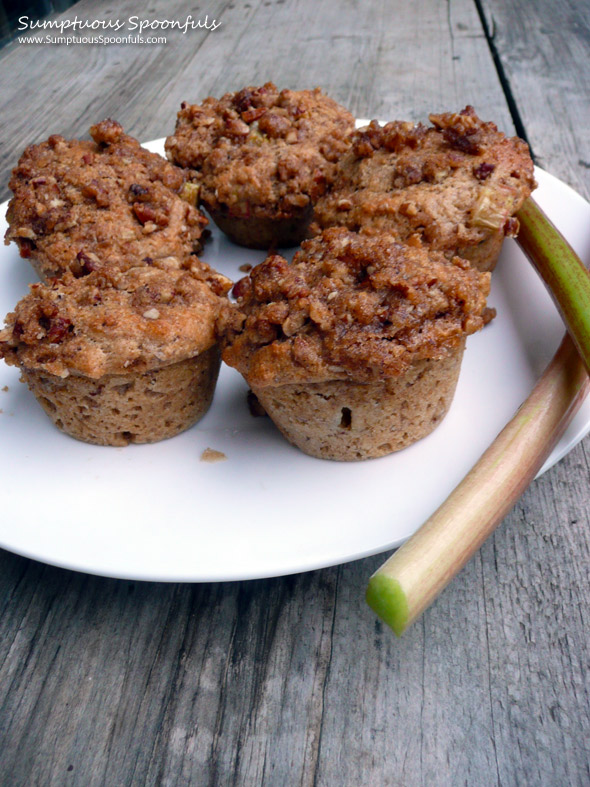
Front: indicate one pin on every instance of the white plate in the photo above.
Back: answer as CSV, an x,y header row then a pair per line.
x,y
157,512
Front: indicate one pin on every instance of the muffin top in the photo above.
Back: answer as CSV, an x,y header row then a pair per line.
x,y
115,322
350,306
81,205
261,151
450,184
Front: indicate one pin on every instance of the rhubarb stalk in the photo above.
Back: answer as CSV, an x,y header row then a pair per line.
x,y
564,274
411,579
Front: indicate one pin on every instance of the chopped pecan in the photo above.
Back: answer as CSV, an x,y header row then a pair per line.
x,y
144,212
243,99
484,170
137,191
250,115
58,329
234,127
242,287
147,214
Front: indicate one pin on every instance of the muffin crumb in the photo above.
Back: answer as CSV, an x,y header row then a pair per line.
x,y
211,455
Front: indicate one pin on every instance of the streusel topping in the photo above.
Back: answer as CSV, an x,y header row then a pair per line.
x,y
350,306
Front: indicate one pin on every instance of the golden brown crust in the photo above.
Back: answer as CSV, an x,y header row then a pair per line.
x,y
81,205
453,185
118,409
346,420
261,152
350,306
112,322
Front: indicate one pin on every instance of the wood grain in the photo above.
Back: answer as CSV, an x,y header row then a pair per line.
x,y
292,681
543,53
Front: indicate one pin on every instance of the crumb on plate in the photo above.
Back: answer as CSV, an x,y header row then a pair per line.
x,y
211,455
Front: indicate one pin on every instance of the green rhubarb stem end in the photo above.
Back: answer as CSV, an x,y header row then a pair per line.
x,y
386,597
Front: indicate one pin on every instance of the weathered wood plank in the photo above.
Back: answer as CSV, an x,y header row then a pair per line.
x,y
538,615
539,624
544,49
292,681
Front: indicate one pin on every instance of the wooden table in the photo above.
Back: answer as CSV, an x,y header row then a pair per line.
x,y
292,681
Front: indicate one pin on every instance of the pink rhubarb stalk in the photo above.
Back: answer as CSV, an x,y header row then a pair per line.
x,y
411,579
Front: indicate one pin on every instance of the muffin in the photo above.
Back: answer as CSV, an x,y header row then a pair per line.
x,y
79,206
261,158
455,185
355,348
120,357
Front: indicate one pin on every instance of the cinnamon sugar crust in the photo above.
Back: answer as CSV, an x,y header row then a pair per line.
x,y
261,152
79,206
455,185
113,322
350,307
